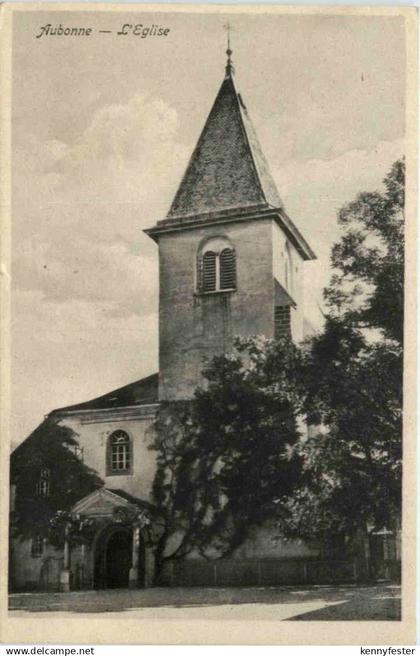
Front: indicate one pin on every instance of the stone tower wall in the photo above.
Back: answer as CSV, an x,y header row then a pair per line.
x,y
194,326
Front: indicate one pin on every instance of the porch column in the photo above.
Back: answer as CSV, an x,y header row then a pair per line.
x,y
133,576
149,567
65,572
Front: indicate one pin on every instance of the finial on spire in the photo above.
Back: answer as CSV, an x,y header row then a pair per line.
x,y
229,65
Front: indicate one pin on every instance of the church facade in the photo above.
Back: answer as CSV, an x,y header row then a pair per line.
x,y
230,264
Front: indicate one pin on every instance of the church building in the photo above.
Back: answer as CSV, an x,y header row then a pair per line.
x,y
230,264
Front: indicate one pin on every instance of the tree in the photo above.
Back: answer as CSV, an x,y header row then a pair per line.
x,y
49,449
367,288
352,463
352,377
226,458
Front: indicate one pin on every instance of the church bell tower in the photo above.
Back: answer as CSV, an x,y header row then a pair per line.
x,y
230,258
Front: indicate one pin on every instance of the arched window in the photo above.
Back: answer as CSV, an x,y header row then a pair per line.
x,y
119,453
216,266
43,485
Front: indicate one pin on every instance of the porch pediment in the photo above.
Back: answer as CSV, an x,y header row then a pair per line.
x,y
100,503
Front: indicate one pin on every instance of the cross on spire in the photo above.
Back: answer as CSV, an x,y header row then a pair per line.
x,y
229,65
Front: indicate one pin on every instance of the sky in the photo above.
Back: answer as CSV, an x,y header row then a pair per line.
x,y
102,130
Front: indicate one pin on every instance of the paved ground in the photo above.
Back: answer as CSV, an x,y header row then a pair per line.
x,y
346,602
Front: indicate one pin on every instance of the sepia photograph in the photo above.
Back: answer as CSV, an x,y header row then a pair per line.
x,y
208,315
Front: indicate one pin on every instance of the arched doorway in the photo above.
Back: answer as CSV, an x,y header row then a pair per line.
x,y
113,549
112,553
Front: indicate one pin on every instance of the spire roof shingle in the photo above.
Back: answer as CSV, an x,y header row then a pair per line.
x,y
227,169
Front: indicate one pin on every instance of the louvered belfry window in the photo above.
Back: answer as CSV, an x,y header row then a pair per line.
x,y
216,267
227,269
209,272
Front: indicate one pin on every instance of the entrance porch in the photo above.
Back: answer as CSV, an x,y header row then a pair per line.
x,y
108,543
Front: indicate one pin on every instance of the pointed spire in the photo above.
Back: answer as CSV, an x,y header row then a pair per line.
x,y
227,169
227,173
229,66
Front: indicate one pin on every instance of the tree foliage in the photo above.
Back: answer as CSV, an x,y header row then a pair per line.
x,y
50,447
353,376
225,458
368,282
352,460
